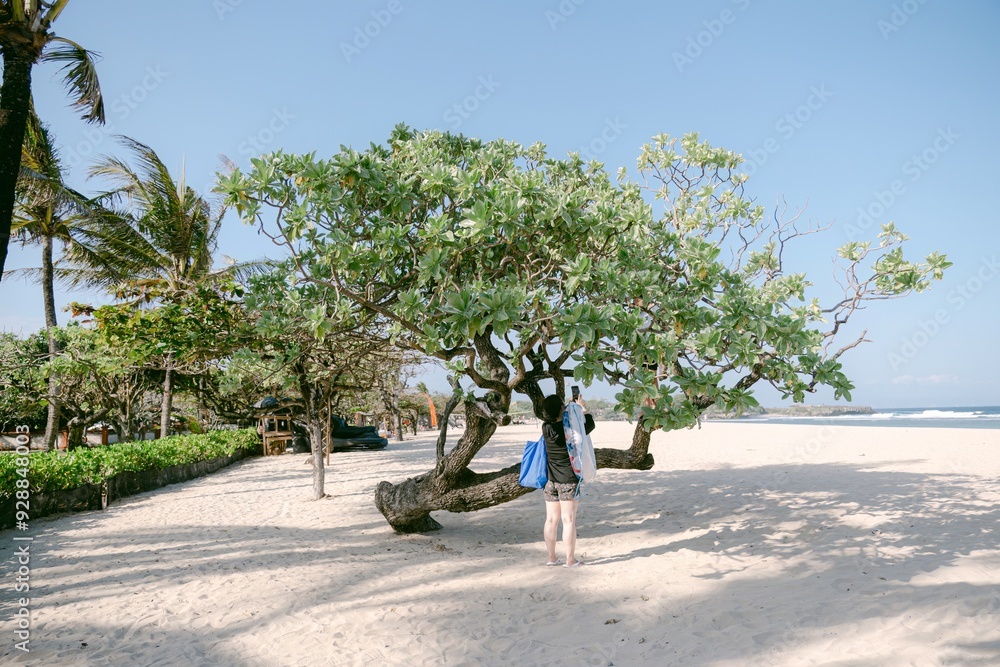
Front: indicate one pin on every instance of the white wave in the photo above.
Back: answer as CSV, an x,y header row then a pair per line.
x,y
861,417
886,416
944,414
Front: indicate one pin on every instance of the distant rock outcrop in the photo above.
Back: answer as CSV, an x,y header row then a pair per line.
x,y
794,411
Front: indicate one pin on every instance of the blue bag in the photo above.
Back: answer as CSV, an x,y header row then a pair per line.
x,y
534,465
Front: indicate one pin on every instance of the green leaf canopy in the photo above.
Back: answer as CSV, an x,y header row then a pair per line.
x,y
515,267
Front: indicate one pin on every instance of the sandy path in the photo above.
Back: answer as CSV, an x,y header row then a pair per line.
x,y
747,545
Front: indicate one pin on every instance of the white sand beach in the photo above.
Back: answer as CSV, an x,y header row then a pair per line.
x,y
748,544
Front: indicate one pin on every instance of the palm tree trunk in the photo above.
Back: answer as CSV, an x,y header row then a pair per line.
x,y
48,297
15,95
168,397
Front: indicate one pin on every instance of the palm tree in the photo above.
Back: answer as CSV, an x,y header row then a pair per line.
x,y
25,39
157,246
47,210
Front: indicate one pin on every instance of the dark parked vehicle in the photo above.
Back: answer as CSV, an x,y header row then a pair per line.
x,y
343,437
346,437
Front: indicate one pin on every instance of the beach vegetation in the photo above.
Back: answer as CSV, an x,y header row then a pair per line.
x,y
48,211
309,343
99,384
515,268
56,471
21,399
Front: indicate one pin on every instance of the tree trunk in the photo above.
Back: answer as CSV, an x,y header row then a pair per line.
x,y
443,420
168,397
312,396
319,471
75,428
49,300
397,414
407,506
75,439
15,95
451,485
127,426
134,431
636,457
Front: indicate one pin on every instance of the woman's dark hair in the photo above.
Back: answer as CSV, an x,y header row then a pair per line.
x,y
552,408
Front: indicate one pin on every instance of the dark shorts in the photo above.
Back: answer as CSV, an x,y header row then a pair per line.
x,y
554,492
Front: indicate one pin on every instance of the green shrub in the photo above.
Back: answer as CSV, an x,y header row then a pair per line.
x,y
54,471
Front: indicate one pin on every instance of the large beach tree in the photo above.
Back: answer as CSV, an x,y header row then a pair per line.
x,y
26,38
518,269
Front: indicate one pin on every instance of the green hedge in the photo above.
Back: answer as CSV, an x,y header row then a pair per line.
x,y
54,471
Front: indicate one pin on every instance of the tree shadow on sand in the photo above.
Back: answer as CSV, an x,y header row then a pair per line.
x,y
791,555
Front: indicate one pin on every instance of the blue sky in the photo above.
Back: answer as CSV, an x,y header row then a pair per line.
x,y
864,111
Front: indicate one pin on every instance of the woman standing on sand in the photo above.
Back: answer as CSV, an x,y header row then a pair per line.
x,y
562,491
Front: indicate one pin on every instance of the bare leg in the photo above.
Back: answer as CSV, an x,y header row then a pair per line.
x,y
551,529
568,510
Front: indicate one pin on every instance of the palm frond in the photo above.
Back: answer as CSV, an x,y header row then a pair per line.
x,y
111,250
27,274
55,9
17,9
35,190
148,187
83,277
37,142
242,272
80,73
45,205
163,235
73,273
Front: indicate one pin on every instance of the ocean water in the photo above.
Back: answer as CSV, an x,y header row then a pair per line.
x,y
971,417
